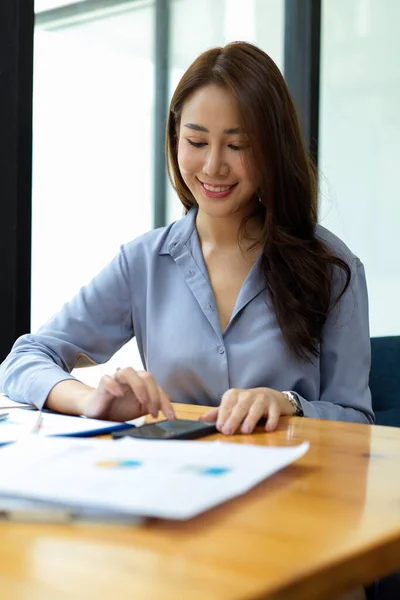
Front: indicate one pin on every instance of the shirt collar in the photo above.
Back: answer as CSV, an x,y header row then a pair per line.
x,y
179,233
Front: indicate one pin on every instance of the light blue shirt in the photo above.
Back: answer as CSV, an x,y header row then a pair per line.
x,y
157,289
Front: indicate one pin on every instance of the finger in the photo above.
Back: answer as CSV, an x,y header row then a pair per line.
x,y
229,400
112,386
210,416
274,412
256,411
137,384
238,413
153,392
166,405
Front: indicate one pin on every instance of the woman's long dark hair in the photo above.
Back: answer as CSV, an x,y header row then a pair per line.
x,y
297,266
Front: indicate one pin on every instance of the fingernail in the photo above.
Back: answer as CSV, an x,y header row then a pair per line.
x,y
227,430
245,429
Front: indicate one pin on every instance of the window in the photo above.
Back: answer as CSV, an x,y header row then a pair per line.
x,y
359,147
92,147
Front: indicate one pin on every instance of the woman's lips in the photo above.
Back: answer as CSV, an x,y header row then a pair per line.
x,y
216,191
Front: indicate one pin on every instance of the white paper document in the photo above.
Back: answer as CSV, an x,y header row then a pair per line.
x,y
165,479
20,421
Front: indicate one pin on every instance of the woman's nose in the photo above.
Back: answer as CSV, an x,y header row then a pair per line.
x,y
215,164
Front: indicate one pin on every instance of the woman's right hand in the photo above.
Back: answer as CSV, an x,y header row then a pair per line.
x,y
127,395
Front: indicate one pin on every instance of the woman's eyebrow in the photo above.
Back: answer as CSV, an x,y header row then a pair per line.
x,y
196,127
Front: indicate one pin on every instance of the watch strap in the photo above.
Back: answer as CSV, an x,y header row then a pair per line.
x,y
295,402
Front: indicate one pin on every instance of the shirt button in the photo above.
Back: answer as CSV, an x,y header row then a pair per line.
x,y
210,306
190,272
221,350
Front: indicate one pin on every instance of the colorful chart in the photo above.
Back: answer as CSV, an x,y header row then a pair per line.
x,y
208,471
118,464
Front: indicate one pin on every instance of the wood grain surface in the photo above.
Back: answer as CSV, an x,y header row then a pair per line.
x,y
327,523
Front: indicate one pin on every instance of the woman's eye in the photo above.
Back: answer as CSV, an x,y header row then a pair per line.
x,y
197,144
233,147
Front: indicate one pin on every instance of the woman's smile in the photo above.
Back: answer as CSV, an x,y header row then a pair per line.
x,y
216,190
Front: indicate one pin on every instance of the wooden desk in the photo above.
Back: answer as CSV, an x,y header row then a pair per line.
x,y
327,523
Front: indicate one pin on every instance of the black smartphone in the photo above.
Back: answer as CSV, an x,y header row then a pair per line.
x,y
180,429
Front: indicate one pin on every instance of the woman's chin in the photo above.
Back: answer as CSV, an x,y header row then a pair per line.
x,y
219,208
213,209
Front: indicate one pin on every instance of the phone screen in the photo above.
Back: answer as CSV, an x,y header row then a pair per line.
x,y
169,430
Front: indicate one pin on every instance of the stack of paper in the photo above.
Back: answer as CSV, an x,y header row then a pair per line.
x,y
19,422
166,479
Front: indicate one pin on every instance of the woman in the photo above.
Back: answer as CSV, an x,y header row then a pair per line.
x,y
245,305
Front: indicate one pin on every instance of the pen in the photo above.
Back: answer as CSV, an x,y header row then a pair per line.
x,y
36,425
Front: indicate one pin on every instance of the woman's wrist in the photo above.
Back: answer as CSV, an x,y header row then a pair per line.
x,y
69,396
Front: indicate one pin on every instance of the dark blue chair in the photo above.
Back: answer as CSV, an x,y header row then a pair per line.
x,y
384,383
384,380
387,588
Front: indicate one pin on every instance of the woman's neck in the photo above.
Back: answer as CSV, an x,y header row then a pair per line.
x,y
223,232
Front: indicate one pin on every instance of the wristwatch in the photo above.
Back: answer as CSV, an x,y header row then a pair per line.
x,y
295,402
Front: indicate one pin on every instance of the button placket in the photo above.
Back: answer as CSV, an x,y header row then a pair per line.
x,y
199,285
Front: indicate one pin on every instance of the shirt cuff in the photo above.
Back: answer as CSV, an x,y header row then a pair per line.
x,y
40,387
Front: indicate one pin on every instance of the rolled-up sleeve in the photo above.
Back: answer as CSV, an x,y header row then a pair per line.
x,y
345,356
88,330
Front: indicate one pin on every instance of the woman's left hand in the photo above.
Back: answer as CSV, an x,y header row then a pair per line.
x,y
240,410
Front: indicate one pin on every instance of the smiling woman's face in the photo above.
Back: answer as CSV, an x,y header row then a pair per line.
x,y
212,151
